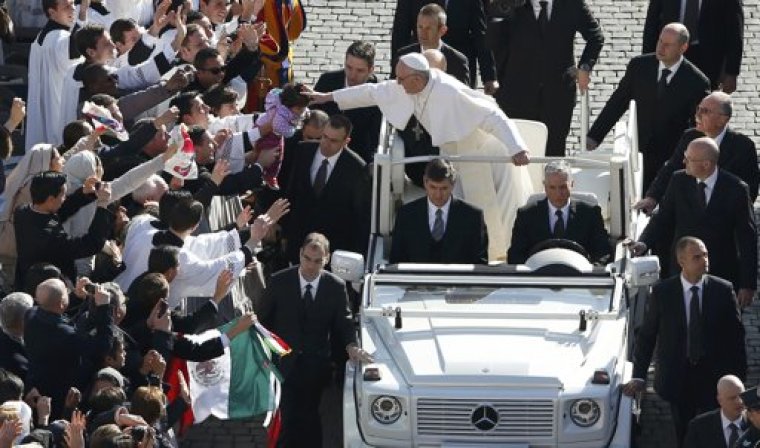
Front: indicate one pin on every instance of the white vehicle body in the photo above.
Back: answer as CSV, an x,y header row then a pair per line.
x,y
499,356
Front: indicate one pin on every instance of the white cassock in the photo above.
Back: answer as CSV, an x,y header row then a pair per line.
x,y
49,60
201,259
460,121
137,77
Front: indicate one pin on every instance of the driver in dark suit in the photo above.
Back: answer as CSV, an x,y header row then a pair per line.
x,y
559,217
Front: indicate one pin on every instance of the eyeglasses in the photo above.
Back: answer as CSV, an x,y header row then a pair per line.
x,y
703,110
214,70
404,78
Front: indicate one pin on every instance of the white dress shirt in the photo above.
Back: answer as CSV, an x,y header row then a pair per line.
x,y
719,138
537,8
710,182
726,430
553,215
317,162
673,69
687,295
432,208
314,285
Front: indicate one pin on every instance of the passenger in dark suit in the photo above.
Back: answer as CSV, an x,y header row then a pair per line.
x,y
358,68
714,429
713,205
431,27
737,151
537,70
13,357
751,437
694,322
717,35
457,236
329,192
308,308
466,32
56,350
581,222
665,101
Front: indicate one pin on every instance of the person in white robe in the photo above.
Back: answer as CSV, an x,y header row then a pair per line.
x,y
52,54
461,121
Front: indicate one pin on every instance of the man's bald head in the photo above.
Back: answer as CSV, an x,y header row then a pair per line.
x,y
436,59
51,295
730,388
706,148
723,100
701,158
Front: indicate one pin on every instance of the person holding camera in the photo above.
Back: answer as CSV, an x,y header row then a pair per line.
x,y
55,348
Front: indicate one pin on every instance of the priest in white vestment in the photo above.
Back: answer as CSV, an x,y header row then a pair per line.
x,y
51,55
460,121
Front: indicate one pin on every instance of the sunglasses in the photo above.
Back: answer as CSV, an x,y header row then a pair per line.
x,y
214,70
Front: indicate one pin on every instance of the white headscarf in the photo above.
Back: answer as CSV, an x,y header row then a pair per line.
x,y
35,161
78,168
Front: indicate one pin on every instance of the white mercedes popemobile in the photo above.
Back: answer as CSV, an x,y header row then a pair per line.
x,y
510,356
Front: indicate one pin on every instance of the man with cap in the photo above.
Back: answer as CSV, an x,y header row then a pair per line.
x,y
751,438
461,121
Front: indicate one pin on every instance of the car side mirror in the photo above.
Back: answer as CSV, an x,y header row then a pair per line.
x,y
349,266
643,271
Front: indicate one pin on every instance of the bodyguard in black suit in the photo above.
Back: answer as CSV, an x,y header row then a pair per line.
x,y
738,155
466,24
458,237
664,104
694,322
717,35
331,197
721,427
536,68
713,205
580,222
358,69
308,308
431,27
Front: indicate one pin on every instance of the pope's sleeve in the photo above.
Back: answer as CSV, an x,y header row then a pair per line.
x,y
504,129
363,95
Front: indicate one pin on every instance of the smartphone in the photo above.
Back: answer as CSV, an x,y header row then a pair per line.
x,y
90,288
163,307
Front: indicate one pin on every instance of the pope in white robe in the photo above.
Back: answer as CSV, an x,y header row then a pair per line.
x,y
51,55
460,121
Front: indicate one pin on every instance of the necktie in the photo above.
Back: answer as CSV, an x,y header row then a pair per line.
x,y
438,228
695,327
691,18
307,296
701,196
321,178
559,225
543,16
734,436
662,84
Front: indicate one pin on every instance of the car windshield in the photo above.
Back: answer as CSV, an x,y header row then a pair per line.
x,y
514,298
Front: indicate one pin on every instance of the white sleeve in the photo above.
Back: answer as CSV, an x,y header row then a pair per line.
x,y
504,129
129,181
363,95
213,244
197,277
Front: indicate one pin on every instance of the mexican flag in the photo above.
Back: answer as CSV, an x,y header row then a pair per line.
x,y
242,382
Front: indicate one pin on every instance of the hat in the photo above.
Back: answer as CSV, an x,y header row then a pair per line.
x,y
751,398
111,374
415,61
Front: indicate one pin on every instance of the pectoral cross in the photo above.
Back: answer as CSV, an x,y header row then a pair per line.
x,y
418,131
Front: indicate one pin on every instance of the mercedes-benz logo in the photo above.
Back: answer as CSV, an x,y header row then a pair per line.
x,y
485,418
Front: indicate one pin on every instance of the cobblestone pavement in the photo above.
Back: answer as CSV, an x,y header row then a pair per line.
x,y
333,24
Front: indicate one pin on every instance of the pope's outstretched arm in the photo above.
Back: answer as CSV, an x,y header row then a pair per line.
x,y
363,95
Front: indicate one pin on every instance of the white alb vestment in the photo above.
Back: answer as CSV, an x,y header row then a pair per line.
x,y
461,121
51,56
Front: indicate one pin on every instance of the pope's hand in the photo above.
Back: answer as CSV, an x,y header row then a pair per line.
x,y
521,158
318,97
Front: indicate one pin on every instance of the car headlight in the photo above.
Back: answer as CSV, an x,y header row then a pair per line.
x,y
386,409
585,412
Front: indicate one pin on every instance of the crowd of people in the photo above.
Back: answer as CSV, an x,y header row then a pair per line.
x,y
105,241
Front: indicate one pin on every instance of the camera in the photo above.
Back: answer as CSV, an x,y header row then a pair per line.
x,y
139,432
98,185
90,288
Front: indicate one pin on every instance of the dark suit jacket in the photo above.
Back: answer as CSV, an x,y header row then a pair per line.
x,y
661,121
737,156
341,212
665,325
584,225
307,331
56,352
706,431
466,21
456,62
727,226
366,120
528,63
13,356
720,32
465,239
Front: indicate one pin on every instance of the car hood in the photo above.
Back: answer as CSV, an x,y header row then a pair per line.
x,y
550,352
